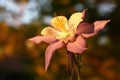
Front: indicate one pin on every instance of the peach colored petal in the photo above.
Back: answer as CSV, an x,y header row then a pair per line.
x,y
59,23
39,39
85,28
50,51
49,31
77,46
98,25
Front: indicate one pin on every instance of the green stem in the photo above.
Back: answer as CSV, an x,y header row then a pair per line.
x,y
74,59
78,65
70,63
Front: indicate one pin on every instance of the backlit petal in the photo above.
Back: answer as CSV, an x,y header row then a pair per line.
x,y
77,46
83,13
39,39
59,23
85,28
75,19
98,25
50,51
49,31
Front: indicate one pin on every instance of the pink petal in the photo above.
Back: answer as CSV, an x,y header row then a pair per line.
x,y
39,39
85,28
50,51
77,46
99,25
83,13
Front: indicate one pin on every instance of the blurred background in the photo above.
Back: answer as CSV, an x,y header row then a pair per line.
x,y
23,60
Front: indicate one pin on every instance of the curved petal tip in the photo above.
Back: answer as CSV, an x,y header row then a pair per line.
x,y
39,39
50,51
98,25
83,13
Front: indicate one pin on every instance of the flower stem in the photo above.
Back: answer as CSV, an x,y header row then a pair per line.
x,y
70,58
74,60
78,65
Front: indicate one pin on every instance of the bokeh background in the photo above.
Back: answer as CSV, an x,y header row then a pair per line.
x,y
23,60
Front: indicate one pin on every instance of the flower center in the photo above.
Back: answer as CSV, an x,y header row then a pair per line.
x,y
66,35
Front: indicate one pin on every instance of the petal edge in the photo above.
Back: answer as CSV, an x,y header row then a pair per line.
x,y
39,39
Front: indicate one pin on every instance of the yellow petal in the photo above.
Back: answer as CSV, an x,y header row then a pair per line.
x,y
75,19
59,23
49,31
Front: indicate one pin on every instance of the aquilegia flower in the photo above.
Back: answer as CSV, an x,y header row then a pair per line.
x,y
68,33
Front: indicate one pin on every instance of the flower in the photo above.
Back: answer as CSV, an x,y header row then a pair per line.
x,y
68,33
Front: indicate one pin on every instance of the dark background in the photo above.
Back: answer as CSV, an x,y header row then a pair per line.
x,y
22,60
